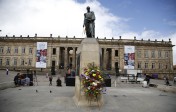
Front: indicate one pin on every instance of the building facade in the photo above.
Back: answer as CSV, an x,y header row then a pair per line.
x,y
151,57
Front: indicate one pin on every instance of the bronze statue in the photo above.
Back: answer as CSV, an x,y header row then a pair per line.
x,y
89,23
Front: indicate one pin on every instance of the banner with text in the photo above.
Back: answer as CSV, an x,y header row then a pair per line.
x,y
41,54
129,57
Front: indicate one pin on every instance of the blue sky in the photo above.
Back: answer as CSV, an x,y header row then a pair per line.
x,y
158,15
147,19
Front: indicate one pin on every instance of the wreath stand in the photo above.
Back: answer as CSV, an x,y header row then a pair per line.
x,y
81,100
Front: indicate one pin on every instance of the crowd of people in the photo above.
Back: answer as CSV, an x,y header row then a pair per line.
x,y
22,80
26,80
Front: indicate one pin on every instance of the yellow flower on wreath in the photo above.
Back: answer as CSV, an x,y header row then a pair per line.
x,y
99,77
94,74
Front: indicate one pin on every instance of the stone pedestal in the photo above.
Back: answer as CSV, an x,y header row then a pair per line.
x,y
89,52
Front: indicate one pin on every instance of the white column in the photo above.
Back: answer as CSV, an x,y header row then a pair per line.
x,y
34,54
112,58
74,58
66,58
57,56
105,58
49,53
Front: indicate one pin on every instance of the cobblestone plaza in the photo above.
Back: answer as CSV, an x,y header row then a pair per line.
x,y
125,97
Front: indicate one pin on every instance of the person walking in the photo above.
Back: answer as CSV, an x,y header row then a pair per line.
x,y
7,71
166,80
148,79
50,80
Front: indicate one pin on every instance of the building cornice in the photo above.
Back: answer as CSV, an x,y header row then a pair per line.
x,y
74,40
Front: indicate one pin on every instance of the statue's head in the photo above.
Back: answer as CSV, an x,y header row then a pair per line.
x,y
88,8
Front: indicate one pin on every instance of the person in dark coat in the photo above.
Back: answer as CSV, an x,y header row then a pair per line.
x,y
16,79
147,78
59,82
50,80
7,71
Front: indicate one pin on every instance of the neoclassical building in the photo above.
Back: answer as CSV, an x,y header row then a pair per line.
x,y
151,57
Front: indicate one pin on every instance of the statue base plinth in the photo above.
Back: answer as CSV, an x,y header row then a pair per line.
x,y
89,51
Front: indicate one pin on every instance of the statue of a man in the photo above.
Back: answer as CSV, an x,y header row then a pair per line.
x,y
89,23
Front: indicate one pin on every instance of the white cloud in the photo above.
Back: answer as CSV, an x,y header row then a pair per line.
x,y
65,17
129,35
173,39
59,17
150,34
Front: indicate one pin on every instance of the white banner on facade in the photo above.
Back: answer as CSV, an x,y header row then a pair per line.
x,y
129,57
41,54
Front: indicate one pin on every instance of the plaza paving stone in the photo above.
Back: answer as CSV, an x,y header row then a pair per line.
x,y
125,97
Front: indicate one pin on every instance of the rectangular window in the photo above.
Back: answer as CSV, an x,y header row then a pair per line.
x,y
139,54
146,65
30,62
23,50
139,65
160,66
1,50
53,63
166,54
166,66
15,62
0,62
116,53
146,54
159,54
22,61
16,50
30,50
7,61
54,51
8,50
153,54
153,65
